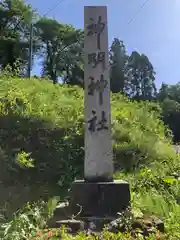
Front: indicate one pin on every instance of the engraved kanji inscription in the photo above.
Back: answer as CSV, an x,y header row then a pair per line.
x,y
91,86
98,86
92,59
102,123
95,58
94,124
95,29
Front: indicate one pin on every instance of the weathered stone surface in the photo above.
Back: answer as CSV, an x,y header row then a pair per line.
x,y
144,226
73,225
96,223
103,199
61,212
98,164
116,226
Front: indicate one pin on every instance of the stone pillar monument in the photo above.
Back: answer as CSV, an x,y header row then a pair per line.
x,y
98,147
98,195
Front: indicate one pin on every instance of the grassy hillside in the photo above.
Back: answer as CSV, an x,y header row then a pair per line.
x,y
41,147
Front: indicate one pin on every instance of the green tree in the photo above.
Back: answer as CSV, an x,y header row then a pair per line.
x,y
169,97
76,75
141,77
15,19
171,116
118,59
163,92
169,91
61,49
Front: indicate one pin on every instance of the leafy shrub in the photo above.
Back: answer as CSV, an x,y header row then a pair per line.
x,y
47,121
24,160
28,221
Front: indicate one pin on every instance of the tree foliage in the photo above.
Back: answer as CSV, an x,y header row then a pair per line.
x,y
42,126
15,19
132,75
169,97
118,58
141,77
61,49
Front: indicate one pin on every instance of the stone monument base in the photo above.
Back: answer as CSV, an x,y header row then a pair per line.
x,y
99,199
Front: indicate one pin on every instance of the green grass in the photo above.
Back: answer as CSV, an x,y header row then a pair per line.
x,y
42,148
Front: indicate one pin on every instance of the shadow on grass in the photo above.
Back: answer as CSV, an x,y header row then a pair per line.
x,y
57,160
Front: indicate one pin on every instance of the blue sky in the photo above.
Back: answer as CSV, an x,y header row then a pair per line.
x,y
155,31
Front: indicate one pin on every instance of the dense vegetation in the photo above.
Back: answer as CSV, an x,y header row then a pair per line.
x,y
41,123
42,148
60,46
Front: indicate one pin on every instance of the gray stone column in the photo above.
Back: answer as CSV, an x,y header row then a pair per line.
x,y
98,194
98,164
